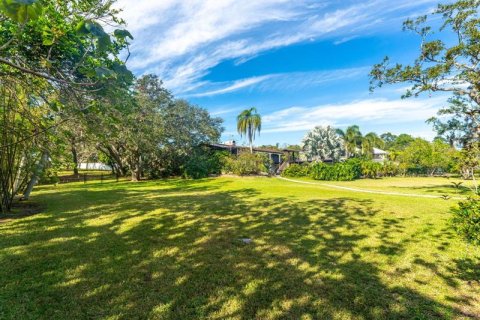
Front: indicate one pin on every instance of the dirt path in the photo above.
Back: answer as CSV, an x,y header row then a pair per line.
x,y
370,191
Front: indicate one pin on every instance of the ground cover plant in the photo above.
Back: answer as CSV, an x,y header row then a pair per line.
x,y
171,250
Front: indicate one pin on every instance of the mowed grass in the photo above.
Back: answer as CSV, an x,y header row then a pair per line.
x,y
171,250
434,186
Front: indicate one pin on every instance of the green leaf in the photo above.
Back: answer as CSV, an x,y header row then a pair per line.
x,y
122,72
103,72
81,29
122,34
47,37
103,43
91,27
21,10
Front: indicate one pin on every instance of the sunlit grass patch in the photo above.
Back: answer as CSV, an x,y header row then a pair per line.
x,y
173,249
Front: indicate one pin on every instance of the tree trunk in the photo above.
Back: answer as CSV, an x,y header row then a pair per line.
x,y
136,172
36,174
135,168
75,160
18,178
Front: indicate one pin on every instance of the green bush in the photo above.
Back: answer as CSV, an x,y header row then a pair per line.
x,y
296,170
334,172
390,169
49,176
466,219
203,163
371,169
247,164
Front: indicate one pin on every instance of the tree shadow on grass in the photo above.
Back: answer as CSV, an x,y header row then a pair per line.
x,y
176,253
440,189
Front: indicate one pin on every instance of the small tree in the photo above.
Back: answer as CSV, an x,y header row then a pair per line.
x,y
323,143
248,123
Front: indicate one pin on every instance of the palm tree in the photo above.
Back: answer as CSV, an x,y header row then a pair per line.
x,y
323,143
248,123
353,139
370,141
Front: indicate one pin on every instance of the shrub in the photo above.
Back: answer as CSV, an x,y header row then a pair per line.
x,y
466,219
247,164
390,169
296,170
48,176
371,169
203,163
334,172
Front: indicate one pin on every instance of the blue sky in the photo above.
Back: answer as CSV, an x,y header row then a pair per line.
x,y
300,63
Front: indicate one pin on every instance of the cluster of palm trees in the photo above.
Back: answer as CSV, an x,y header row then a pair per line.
x,y
358,144
249,122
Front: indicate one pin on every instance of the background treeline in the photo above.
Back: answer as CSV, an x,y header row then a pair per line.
x,y
407,156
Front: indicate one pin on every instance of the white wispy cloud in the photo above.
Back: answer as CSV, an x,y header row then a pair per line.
x,y
236,85
181,40
372,111
279,81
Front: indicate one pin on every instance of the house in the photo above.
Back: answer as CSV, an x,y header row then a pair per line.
x,y
276,155
379,155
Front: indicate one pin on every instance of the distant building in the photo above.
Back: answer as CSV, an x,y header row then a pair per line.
x,y
379,155
94,166
278,156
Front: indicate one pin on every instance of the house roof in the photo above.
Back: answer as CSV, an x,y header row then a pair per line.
x,y
379,151
229,146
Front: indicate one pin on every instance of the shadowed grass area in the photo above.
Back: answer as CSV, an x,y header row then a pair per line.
x,y
172,250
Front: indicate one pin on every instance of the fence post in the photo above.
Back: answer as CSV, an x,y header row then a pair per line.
x,y
84,178
116,176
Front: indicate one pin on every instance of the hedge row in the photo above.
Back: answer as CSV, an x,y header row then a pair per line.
x,y
343,171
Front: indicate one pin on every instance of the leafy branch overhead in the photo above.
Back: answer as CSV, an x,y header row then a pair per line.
x,y
21,10
75,50
441,65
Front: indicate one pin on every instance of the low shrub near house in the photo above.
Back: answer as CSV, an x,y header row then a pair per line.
x,y
354,168
334,172
296,170
247,164
466,219
203,163
371,169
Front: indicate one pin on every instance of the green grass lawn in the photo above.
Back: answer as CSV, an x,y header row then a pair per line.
x,y
435,186
171,250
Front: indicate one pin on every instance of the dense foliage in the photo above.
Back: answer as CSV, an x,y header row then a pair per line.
x,y
421,157
57,63
204,162
351,169
466,219
248,164
68,97
334,172
296,170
